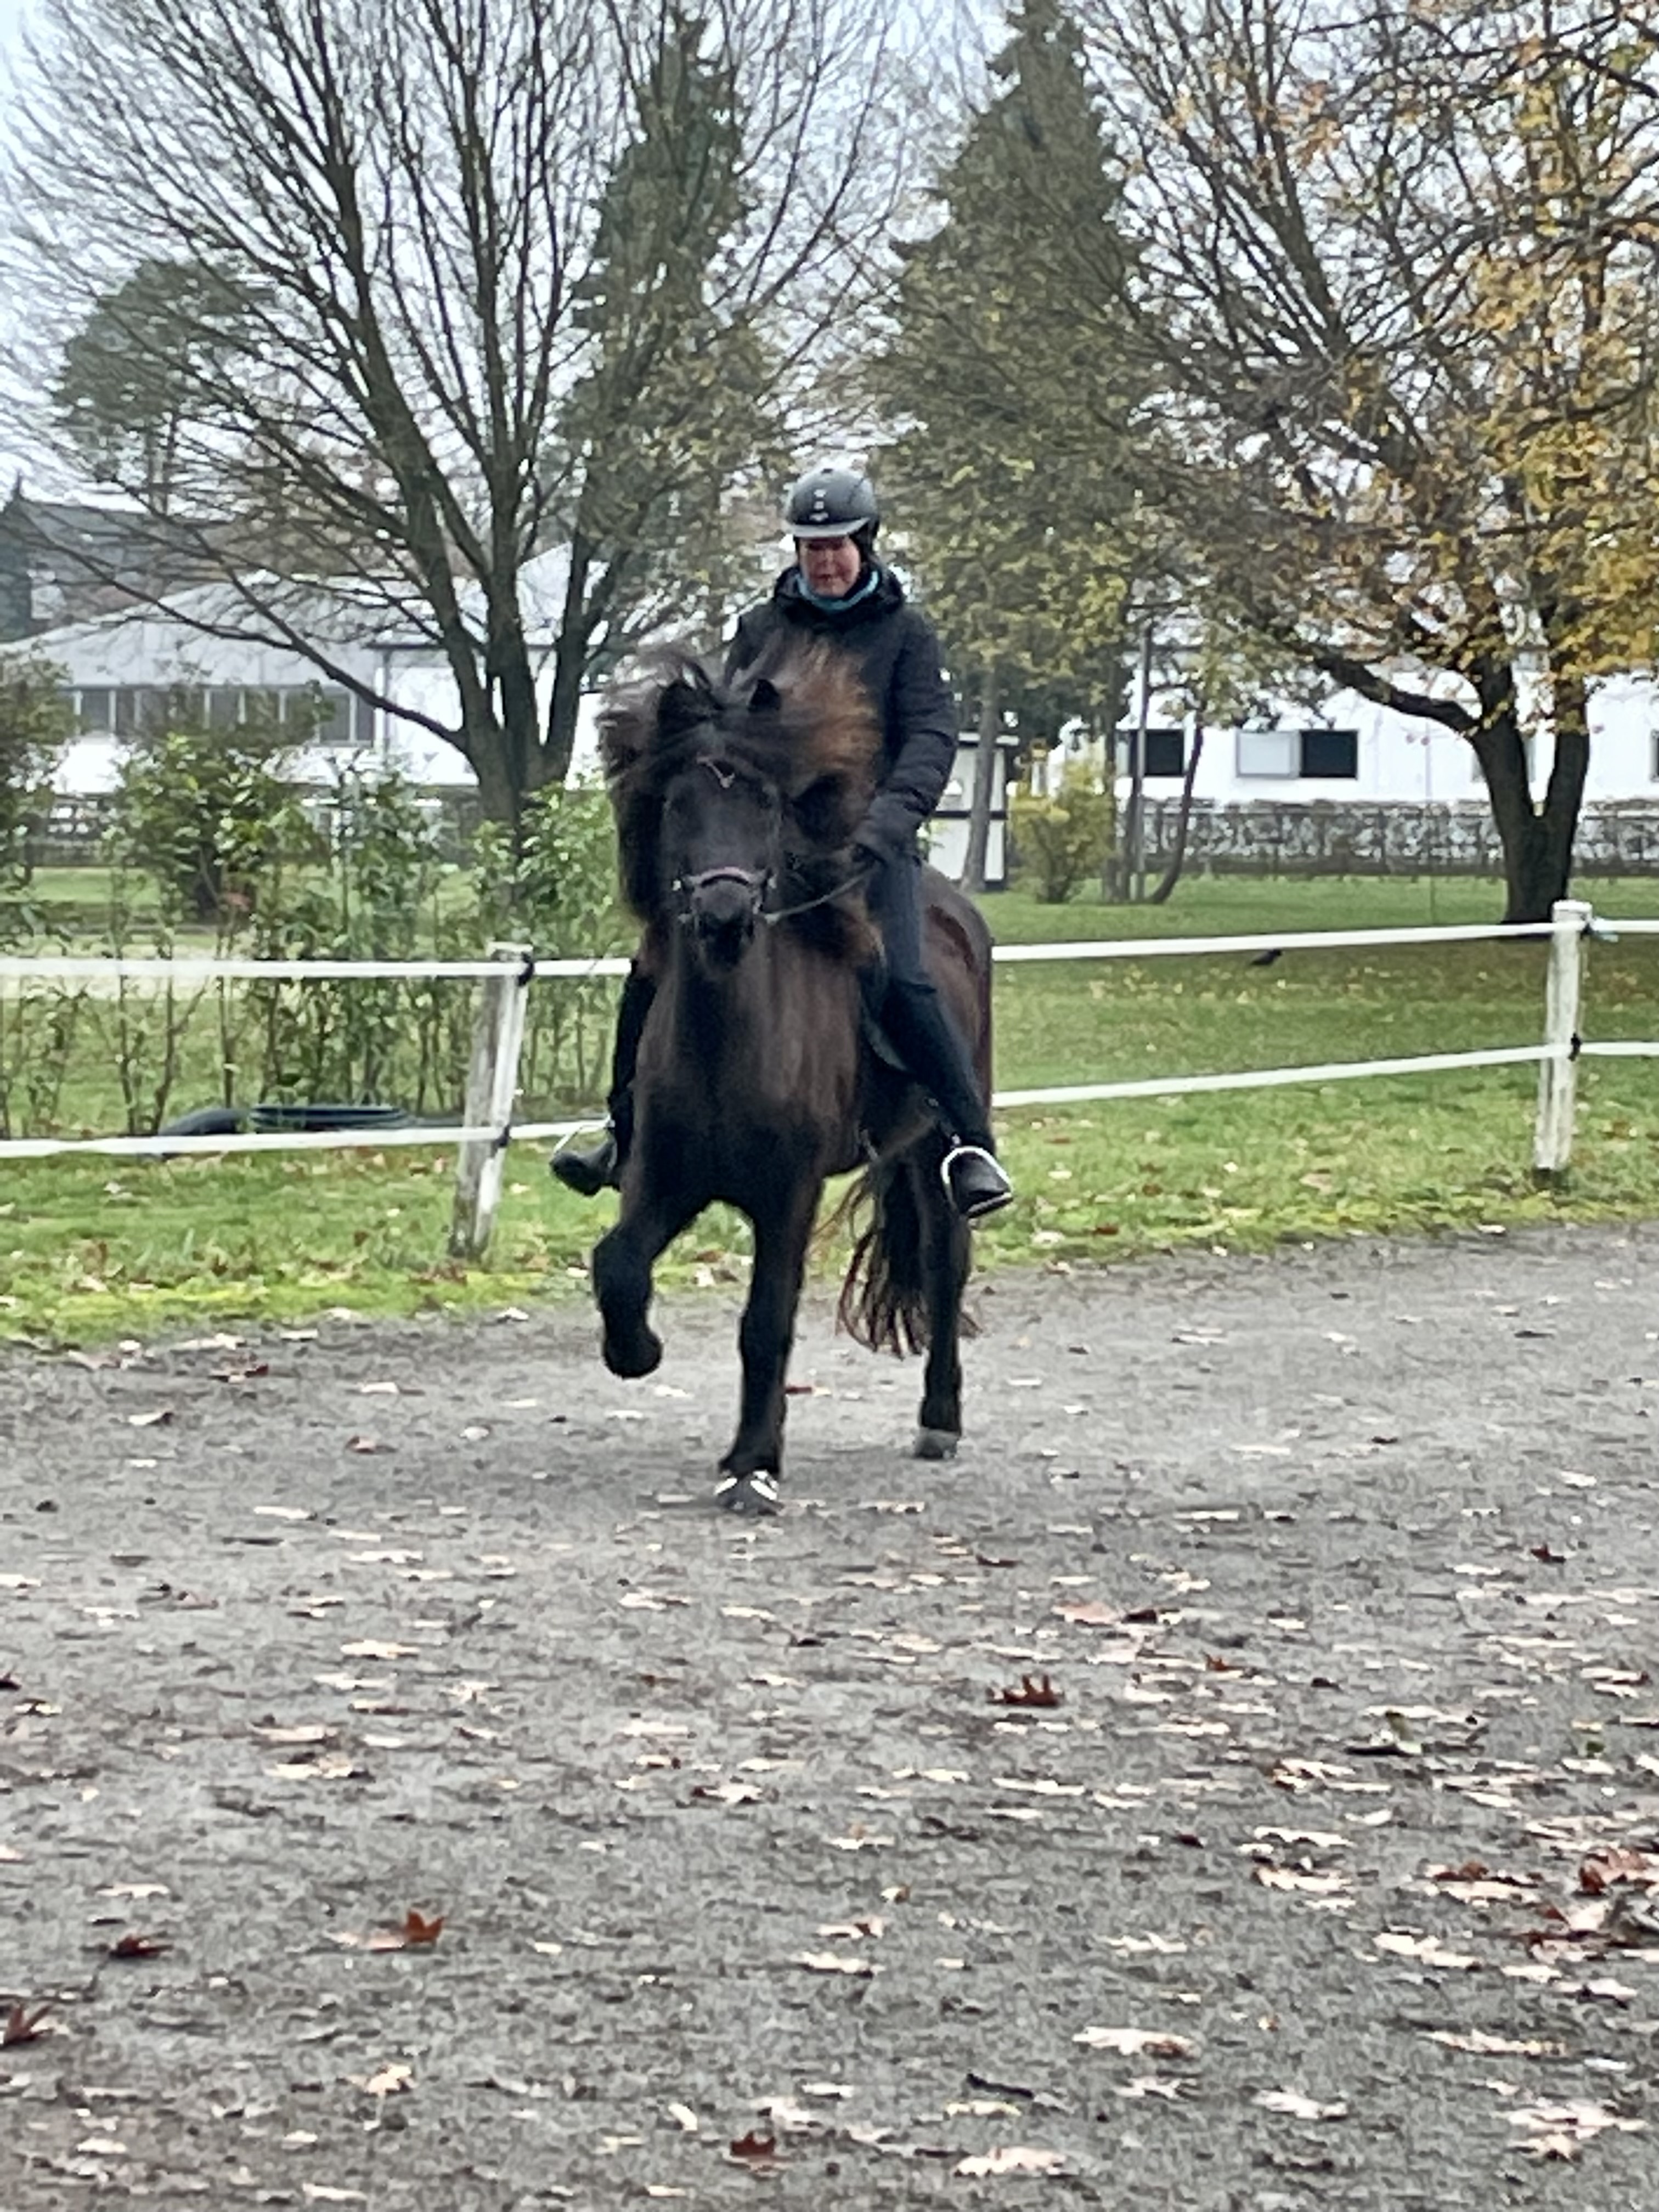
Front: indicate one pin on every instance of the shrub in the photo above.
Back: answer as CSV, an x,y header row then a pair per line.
x,y
1062,843
34,727
208,813
561,898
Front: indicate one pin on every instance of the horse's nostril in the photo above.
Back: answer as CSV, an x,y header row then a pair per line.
x,y
724,910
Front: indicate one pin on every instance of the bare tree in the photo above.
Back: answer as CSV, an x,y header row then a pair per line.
x,y
447,360
1397,265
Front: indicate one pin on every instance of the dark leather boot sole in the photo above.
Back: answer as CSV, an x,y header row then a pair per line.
x,y
590,1172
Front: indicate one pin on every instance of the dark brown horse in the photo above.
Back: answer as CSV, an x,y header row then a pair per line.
x,y
757,1078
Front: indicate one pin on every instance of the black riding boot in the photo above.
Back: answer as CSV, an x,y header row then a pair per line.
x,y
927,1040
596,1166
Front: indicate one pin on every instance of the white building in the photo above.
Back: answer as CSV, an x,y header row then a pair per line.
x,y
126,671
1355,751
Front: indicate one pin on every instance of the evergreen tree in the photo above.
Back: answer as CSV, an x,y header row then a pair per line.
x,y
1016,386
672,411
125,384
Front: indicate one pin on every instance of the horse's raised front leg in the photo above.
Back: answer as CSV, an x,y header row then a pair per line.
x,y
623,1260
945,1260
751,1470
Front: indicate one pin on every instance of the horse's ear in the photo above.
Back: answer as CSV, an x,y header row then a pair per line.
x,y
684,700
765,698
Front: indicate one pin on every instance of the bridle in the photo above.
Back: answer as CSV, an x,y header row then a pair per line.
x,y
757,882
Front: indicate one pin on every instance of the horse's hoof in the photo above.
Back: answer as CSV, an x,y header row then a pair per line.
x,y
633,1356
756,1495
936,1443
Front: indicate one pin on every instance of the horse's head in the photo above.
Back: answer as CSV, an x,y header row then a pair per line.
x,y
722,850
727,799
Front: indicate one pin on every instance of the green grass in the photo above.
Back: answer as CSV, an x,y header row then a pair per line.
x,y
91,1250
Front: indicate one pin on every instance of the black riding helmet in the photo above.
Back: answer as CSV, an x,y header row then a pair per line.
x,y
831,502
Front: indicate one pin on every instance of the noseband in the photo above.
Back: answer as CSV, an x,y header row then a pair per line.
x,y
757,882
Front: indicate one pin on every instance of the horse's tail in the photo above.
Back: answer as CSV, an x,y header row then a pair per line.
x,y
883,1298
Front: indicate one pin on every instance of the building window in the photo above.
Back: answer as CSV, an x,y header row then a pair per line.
x,y
1166,752
1331,753
1321,754
93,711
333,718
1267,752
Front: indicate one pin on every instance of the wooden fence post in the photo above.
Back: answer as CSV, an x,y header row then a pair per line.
x,y
1558,1078
492,1083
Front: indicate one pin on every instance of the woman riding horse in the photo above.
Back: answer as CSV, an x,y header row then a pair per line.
x,y
837,594
736,806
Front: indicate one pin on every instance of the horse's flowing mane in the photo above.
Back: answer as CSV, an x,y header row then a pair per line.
x,y
801,720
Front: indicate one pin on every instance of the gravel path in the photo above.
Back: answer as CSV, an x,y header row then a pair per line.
x,y
1340,1569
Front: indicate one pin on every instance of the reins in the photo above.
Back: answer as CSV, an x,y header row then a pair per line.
x,y
804,906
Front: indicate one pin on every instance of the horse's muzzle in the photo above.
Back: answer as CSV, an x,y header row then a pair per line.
x,y
723,905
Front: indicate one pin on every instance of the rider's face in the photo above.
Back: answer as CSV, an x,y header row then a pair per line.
x,y
830,565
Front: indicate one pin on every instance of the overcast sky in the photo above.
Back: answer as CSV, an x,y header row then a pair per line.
x,y
13,14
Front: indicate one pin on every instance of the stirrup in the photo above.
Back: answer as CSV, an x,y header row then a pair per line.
x,y
589,1168
981,1187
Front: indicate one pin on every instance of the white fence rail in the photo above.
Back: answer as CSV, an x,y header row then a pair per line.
x,y
487,1128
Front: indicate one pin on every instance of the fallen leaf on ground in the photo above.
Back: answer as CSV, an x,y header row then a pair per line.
x,y
1014,2158
727,1792
1560,2131
154,1420
1603,1869
334,1766
835,1962
134,1946
394,2079
1133,2041
754,2146
1494,2046
415,1931
1034,1689
1295,2107
22,2026
1328,1884
1427,1949
685,2119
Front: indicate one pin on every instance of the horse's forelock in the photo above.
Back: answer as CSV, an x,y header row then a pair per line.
x,y
801,719
643,729
825,722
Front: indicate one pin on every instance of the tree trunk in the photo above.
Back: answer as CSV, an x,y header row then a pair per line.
x,y
1128,874
1171,875
1537,843
987,761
